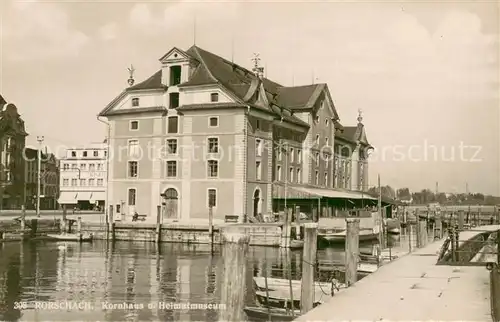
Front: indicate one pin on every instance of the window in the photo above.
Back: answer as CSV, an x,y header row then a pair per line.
x,y
290,175
74,166
316,178
213,168
84,154
326,141
91,182
171,169
292,155
278,169
83,182
73,154
74,182
213,145
299,156
213,121
326,179
135,102
132,169
258,170
257,124
134,125
91,167
173,124
326,122
299,177
105,153
132,192
214,97
280,153
100,182
212,198
83,167
65,166
99,167
174,100
96,153
133,148
65,182
317,159
175,75
317,138
258,147
316,119
172,146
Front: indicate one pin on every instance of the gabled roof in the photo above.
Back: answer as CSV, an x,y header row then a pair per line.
x,y
353,134
2,101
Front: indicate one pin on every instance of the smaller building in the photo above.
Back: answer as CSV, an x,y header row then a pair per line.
x,y
83,173
49,179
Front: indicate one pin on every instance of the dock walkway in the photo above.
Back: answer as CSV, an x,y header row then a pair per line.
x,y
413,288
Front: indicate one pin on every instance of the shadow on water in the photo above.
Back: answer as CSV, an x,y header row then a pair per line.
x,y
139,274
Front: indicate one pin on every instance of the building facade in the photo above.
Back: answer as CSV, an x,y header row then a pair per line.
x,y
204,132
12,141
49,179
82,180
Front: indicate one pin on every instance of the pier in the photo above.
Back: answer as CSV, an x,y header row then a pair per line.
x,y
414,287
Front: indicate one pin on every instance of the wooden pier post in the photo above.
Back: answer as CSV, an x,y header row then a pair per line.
x,y
308,266
23,218
315,214
297,221
460,220
111,228
64,220
478,217
418,234
158,224
438,227
351,251
423,233
79,228
285,230
235,241
211,228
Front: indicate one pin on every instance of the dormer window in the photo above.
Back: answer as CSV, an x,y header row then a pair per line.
x,y
214,97
174,100
316,119
73,154
175,75
135,102
317,138
326,122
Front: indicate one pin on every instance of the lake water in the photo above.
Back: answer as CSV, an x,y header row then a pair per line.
x,y
99,275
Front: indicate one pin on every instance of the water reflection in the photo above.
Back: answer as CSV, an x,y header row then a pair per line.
x,y
131,273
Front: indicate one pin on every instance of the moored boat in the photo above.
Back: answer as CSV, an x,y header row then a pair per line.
x,y
270,314
71,237
340,237
282,283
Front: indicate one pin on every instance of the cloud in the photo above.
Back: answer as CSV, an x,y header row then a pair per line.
x,y
37,30
108,31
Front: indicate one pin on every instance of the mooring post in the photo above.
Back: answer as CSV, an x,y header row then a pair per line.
x,y
438,226
498,247
23,218
297,221
460,220
285,230
211,227
79,227
315,214
478,217
63,220
410,237
111,228
235,241
158,224
351,251
289,217
308,266
418,234
456,241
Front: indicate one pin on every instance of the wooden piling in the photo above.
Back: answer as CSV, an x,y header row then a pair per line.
x,y
297,222
461,220
423,233
410,238
498,247
438,225
315,214
418,234
64,220
235,241
285,230
111,228
308,266
211,228
351,251
23,218
158,224
79,228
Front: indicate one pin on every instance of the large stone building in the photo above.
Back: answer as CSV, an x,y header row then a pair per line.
x,y
49,179
83,177
12,168
203,131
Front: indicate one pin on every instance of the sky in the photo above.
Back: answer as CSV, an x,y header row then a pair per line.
x,y
424,73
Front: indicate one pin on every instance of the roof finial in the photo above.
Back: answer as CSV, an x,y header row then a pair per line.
x,y
259,71
360,115
131,71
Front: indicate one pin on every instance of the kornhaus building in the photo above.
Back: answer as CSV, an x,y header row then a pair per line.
x,y
205,132
83,172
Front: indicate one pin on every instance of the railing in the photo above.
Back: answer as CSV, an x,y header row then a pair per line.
x,y
482,249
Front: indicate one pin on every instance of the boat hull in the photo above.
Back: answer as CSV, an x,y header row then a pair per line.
x,y
275,314
70,237
341,237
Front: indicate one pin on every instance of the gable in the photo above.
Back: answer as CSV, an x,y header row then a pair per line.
x,y
174,55
123,102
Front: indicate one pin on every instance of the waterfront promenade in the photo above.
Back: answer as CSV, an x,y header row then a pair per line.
x,y
414,288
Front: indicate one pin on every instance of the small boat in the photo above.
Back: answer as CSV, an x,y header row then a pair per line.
x,y
270,314
338,237
281,298
71,237
282,283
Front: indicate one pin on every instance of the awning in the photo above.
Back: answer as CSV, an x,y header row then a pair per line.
x,y
334,194
68,198
84,195
97,196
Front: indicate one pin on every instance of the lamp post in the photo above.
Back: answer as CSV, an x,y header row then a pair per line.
x,y
39,176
